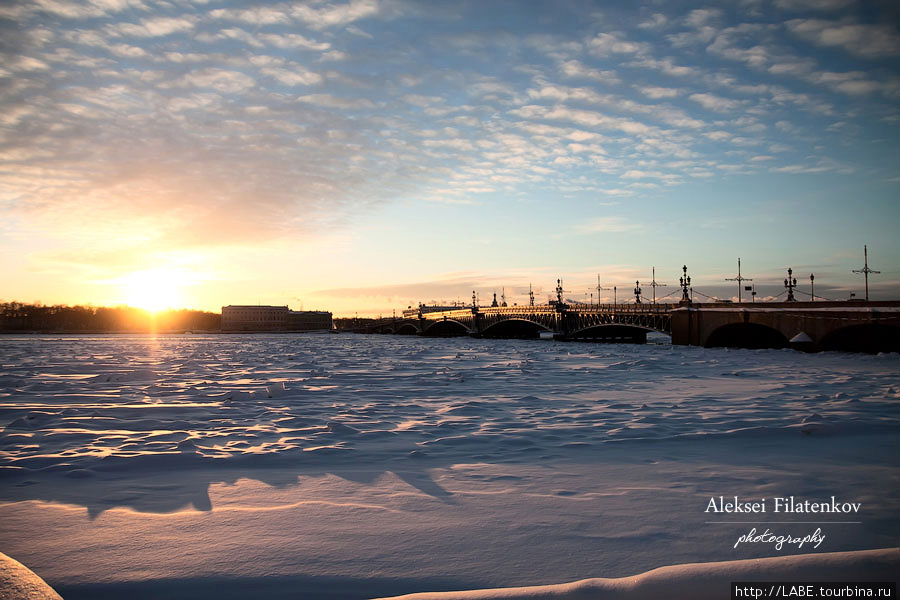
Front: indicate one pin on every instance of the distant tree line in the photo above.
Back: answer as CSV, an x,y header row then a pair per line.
x,y
18,317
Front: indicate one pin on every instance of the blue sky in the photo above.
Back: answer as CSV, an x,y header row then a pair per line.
x,y
364,155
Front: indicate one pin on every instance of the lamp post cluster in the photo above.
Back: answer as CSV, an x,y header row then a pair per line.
x,y
685,282
789,284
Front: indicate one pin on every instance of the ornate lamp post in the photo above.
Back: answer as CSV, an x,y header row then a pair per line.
x,y
789,284
685,282
637,292
812,286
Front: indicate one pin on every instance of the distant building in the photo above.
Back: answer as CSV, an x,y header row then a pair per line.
x,y
273,318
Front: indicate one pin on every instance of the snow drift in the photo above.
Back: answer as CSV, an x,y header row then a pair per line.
x,y
700,581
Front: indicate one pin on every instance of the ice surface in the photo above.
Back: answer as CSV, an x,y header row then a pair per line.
x,y
377,465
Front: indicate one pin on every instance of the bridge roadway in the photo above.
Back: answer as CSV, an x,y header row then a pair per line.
x,y
865,326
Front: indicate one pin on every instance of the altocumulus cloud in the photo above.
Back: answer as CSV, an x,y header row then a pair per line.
x,y
204,124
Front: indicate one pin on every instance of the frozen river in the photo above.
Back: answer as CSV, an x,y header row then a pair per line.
x,y
351,466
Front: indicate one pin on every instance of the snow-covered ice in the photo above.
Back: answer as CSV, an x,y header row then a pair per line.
x,y
704,581
356,466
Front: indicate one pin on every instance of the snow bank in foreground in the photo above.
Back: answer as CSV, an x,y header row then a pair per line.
x,y
700,581
18,582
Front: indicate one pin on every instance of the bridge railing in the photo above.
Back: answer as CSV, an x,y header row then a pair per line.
x,y
643,308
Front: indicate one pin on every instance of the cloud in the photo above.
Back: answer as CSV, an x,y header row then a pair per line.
x,y
656,21
799,169
236,33
222,80
869,41
292,40
80,10
330,101
583,118
606,225
562,94
294,76
742,43
605,44
641,174
257,15
126,51
701,17
702,23
335,15
713,102
26,63
664,65
852,82
577,70
656,92
152,27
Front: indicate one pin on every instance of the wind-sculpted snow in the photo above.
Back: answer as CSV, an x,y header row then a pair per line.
x,y
347,466
74,404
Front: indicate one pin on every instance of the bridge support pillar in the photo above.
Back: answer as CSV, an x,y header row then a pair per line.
x,y
685,327
477,324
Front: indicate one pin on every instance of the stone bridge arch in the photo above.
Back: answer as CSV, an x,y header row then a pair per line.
x,y
746,335
864,337
406,328
445,328
514,328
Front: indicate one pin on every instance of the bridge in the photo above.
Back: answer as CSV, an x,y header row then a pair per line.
x,y
823,325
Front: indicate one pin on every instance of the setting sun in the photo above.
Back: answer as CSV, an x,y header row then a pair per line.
x,y
153,290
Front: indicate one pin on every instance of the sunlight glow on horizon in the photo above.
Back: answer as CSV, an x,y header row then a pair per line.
x,y
153,290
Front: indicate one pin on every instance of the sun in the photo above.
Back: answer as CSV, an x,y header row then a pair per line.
x,y
153,290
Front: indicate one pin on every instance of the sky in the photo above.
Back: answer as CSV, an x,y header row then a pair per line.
x,y
363,156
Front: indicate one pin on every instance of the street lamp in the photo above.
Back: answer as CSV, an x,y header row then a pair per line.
x,y
789,284
685,282
812,286
637,292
